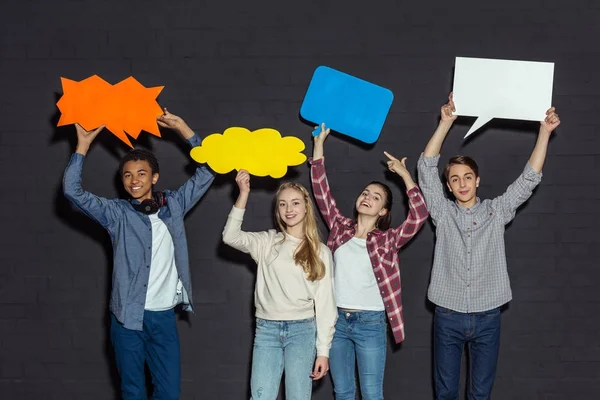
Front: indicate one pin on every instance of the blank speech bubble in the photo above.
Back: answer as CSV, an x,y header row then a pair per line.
x,y
486,89
346,104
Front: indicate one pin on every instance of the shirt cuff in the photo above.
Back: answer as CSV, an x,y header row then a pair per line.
x,y
532,175
77,157
429,161
413,192
195,140
323,351
320,161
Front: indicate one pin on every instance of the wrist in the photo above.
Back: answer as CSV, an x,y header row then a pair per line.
x,y
82,148
544,133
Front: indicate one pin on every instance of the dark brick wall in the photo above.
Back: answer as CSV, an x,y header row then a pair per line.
x,y
241,63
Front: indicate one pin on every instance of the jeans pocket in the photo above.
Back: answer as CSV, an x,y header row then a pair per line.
x,y
493,313
444,311
372,318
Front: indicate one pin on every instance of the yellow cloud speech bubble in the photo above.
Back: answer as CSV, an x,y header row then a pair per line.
x,y
261,152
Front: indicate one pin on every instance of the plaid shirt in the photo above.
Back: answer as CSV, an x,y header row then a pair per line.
x,y
382,246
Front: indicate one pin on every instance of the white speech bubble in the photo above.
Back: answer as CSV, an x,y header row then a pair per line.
x,y
486,89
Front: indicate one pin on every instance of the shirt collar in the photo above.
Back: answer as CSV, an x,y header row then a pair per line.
x,y
472,209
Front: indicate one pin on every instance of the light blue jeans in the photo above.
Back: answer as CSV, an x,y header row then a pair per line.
x,y
279,346
360,338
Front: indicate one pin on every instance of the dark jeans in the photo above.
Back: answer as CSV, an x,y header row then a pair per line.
x,y
481,333
158,345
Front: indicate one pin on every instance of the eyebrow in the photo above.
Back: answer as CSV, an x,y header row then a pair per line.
x,y
456,175
377,193
139,170
295,199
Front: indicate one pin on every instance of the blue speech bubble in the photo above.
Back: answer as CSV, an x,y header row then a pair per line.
x,y
346,104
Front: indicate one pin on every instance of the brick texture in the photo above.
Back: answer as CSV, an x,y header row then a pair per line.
x,y
240,63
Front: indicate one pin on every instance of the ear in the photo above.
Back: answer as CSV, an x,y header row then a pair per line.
x,y
477,182
383,211
154,178
450,187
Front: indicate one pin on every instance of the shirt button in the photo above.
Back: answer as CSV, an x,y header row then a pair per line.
x,y
347,314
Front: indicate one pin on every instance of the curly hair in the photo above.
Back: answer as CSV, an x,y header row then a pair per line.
x,y
140,155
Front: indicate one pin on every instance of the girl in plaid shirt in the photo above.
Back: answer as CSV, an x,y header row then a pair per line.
x,y
366,274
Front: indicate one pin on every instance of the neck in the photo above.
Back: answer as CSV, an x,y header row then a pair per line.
x,y
364,225
468,204
295,231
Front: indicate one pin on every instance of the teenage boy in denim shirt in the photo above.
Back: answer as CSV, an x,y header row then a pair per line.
x,y
469,280
151,273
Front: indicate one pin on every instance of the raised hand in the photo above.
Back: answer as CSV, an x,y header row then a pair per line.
x,y
243,181
172,121
549,124
399,167
168,120
395,165
85,138
320,138
448,109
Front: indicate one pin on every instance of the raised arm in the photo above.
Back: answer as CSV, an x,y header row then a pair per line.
x,y
447,119
103,211
247,242
522,188
427,165
547,126
320,184
194,188
417,213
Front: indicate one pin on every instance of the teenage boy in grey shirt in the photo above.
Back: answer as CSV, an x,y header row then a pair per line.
x,y
469,280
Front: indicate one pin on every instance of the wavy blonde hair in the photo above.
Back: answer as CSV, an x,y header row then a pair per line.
x,y
307,253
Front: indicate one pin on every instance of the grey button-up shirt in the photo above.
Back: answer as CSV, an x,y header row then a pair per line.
x,y
131,235
469,266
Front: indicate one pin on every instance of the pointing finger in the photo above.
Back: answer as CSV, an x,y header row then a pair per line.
x,y
391,157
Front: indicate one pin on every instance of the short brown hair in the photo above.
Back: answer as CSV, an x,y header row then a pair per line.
x,y
462,160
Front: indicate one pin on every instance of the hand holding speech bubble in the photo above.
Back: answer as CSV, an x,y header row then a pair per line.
x,y
347,104
487,89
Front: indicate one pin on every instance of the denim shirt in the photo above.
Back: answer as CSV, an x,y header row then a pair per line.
x,y
131,235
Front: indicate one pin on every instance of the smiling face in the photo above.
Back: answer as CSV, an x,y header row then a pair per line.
x,y
138,179
463,183
372,201
291,208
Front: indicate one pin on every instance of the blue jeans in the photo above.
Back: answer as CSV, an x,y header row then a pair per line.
x,y
158,345
481,333
279,345
360,338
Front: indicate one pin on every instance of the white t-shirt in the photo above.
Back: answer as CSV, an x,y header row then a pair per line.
x,y
163,283
355,284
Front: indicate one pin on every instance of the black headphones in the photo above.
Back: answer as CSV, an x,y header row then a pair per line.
x,y
150,206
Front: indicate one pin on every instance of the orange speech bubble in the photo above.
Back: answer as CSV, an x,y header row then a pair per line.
x,y
126,108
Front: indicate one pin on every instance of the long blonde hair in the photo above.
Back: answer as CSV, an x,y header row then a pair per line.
x,y
307,254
